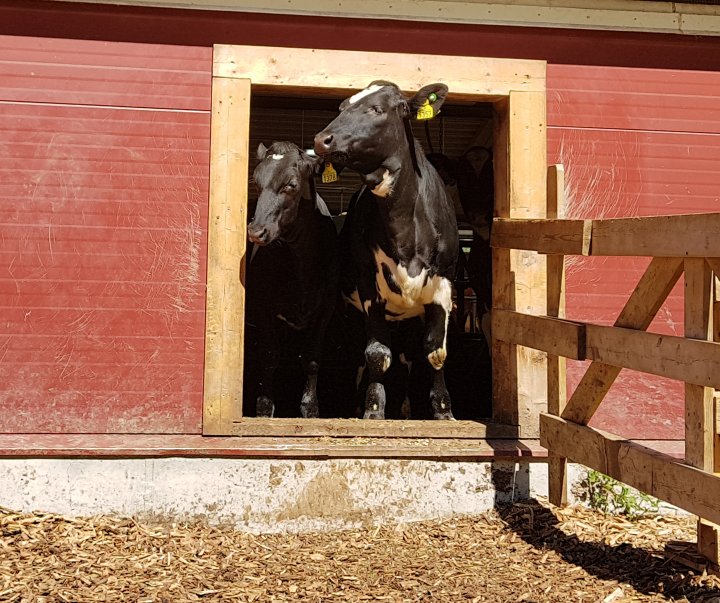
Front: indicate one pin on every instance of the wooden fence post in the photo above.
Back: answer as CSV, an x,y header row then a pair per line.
x,y
700,432
556,365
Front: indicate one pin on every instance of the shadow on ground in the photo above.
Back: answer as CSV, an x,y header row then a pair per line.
x,y
644,569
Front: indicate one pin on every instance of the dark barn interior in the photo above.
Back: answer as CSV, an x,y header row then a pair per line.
x,y
456,130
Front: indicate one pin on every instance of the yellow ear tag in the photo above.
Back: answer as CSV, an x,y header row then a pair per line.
x,y
425,111
329,174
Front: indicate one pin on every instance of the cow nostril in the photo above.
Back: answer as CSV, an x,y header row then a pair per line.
x,y
328,140
257,235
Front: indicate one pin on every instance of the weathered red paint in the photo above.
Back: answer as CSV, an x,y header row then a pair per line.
x,y
100,185
103,215
205,28
52,70
633,146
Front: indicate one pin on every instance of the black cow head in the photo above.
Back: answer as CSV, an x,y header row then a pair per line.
x,y
371,125
284,178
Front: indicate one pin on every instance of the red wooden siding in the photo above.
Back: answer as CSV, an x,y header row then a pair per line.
x,y
96,21
104,170
634,142
102,73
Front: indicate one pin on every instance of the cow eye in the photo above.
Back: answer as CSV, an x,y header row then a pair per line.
x,y
289,187
376,109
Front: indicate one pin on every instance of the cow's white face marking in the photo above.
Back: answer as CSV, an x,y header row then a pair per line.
x,y
363,93
277,156
384,189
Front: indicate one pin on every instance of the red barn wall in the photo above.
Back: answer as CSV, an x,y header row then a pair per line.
x,y
634,142
103,212
104,183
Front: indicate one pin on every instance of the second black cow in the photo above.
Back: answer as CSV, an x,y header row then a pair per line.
x,y
292,275
399,243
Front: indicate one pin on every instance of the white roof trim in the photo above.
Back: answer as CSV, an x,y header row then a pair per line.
x,y
619,15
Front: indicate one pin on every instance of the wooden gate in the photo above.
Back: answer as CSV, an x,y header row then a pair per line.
x,y
678,244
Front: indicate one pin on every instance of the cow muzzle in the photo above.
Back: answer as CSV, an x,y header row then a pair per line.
x,y
258,234
324,143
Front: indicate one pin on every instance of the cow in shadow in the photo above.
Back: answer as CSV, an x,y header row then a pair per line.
x,y
293,270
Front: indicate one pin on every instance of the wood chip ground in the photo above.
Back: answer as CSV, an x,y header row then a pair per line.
x,y
529,552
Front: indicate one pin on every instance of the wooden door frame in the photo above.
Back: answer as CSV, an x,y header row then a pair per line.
x,y
517,90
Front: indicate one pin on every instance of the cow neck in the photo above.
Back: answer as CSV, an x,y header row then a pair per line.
x,y
411,145
399,209
301,239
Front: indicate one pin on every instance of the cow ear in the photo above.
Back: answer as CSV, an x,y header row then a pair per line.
x,y
432,96
261,151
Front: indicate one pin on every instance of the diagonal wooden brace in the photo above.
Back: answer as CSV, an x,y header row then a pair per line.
x,y
639,311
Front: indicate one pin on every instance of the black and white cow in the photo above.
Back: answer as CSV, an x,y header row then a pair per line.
x,y
399,243
292,275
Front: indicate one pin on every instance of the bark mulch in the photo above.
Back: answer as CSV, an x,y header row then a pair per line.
x,y
529,552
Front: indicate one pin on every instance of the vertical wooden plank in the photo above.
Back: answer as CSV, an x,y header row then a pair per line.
x,y
225,310
699,401
519,276
699,413
709,536
716,337
504,393
556,369
714,264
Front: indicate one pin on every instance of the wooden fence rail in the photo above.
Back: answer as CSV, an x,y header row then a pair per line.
x,y
679,244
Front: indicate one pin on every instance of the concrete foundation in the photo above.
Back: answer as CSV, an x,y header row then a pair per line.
x,y
261,495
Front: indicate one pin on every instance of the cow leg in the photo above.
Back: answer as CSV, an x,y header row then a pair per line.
x,y
377,360
309,404
436,321
269,355
405,408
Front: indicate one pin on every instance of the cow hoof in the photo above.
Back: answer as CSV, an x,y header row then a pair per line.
x,y
374,414
436,358
445,415
265,407
440,404
405,409
309,410
375,402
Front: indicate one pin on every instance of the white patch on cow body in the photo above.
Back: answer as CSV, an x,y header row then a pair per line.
x,y
277,156
384,189
363,93
415,292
